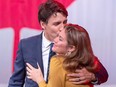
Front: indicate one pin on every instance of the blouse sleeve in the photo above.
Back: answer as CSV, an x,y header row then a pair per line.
x,y
42,84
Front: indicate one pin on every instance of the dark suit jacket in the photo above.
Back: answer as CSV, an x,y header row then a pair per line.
x,y
30,50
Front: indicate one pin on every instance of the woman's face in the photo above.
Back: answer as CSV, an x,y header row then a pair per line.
x,y
60,43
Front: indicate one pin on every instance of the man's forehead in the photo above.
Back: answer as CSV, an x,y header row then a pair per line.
x,y
57,14
57,18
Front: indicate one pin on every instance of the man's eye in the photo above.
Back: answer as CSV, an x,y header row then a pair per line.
x,y
65,22
60,39
56,23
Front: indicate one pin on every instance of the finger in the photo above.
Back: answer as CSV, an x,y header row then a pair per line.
x,y
73,79
77,79
29,77
28,69
82,78
79,82
29,65
28,74
38,65
76,75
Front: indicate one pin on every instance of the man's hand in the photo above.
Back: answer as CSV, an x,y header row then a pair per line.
x,y
81,76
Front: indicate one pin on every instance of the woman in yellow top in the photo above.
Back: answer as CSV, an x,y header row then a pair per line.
x,y
73,50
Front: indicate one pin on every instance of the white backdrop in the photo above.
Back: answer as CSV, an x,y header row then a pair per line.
x,y
97,16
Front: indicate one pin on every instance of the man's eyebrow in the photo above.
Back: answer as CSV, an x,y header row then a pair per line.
x,y
58,22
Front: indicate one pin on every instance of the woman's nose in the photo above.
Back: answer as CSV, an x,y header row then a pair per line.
x,y
55,40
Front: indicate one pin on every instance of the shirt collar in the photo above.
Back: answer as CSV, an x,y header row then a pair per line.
x,y
45,41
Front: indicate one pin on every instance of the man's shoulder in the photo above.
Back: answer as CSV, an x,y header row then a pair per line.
x,y
31,41
32,38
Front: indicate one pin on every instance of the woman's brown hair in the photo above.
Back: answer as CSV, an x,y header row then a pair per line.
x,y
83,55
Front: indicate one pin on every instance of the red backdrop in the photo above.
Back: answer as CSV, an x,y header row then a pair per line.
x,y
21,13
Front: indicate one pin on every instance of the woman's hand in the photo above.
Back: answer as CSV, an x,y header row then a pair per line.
x,y
34,74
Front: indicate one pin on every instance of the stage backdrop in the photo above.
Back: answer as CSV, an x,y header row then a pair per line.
x,y
18,19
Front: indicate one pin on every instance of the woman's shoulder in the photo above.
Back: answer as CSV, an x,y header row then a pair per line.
x,y
57,59
55,64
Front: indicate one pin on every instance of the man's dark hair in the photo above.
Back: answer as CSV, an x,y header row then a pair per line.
x,y
49,8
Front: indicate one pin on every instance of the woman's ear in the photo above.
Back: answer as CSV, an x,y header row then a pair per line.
x,y
71,48
43,24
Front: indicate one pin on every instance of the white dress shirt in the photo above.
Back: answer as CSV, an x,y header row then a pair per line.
x,y
45,54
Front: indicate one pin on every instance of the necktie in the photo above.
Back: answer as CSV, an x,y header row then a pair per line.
x,y
51,53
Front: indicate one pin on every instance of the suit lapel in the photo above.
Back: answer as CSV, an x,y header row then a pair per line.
x,y
39,52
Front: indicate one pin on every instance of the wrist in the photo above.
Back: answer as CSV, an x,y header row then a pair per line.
x,y
39,80
93,78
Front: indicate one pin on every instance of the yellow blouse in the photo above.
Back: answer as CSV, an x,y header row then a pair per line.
x,y
57,75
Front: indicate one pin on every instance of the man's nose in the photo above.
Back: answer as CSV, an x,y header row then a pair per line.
x,y
61,28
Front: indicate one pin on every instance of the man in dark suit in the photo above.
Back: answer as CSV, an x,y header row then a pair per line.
x,y
52,17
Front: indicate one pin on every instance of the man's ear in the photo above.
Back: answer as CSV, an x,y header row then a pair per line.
x,y
43,24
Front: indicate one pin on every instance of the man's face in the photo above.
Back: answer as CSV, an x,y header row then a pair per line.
x,y
54,26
